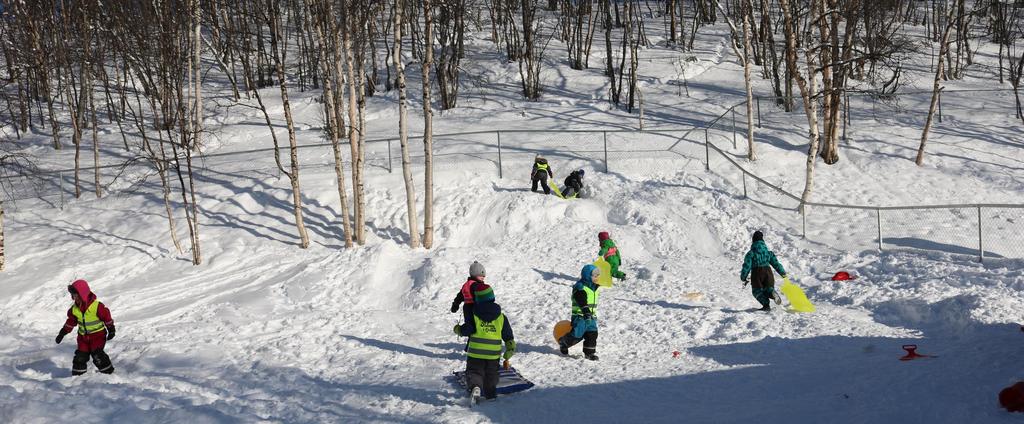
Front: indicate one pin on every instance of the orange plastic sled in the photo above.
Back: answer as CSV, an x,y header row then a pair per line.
x,y
562,328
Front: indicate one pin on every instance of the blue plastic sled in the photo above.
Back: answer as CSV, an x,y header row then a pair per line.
x,y
509,381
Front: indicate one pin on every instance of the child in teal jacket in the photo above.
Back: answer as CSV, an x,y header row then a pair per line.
x,y
756,266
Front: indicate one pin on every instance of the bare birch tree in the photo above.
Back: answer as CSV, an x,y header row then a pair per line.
x,y
428,126
743,53
403,132
807,87
937,86
280,54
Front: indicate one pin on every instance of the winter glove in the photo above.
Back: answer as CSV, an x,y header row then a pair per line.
x,y
587,317
455,307
510,349
110,332
745,282
60,336
457,329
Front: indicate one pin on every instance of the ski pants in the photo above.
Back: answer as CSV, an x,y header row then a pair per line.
x,y
572,190
99,358
482,373
542,179
582,330
762,284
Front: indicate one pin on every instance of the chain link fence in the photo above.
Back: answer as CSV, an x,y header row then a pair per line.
x,y
506,153
987,231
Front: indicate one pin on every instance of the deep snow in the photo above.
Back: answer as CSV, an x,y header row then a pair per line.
x,y
266,332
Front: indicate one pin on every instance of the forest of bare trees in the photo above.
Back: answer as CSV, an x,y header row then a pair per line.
x,y
154,69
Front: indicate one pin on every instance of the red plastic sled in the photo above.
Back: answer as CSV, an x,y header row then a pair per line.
x,y
912,353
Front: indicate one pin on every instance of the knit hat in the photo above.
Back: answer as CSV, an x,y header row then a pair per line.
x,y
483,293
758,236
602,236
477,270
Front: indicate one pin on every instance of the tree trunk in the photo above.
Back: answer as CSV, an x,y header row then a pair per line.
x,y
743,53
609,57
807,92
95,149
354,129
403,131
3,257
936,87
428,127
293,175
749,89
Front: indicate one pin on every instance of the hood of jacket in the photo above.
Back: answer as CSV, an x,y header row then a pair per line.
x,y
487,311
82,288
586,274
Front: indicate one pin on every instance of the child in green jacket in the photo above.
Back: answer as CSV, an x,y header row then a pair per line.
x,y
610,253
756,266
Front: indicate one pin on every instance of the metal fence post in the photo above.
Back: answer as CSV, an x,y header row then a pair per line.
x,y
981,246
803,219
390,168
605,134
707,151
60,183
744,175
878,217
846,116
734,127
759,111
499,155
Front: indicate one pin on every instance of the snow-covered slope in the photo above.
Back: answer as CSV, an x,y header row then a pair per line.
x,y
266,332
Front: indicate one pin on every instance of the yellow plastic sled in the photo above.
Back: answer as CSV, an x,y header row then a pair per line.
x,y
554,187
797,299
605,279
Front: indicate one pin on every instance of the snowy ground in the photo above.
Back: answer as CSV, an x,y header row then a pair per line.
x,y
266,332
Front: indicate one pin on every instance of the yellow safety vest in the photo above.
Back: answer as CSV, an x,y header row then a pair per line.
x,y
485,343
591,303
88,322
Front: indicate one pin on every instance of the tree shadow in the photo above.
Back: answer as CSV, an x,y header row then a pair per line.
x,y
922,244
400,348
554,276
664,304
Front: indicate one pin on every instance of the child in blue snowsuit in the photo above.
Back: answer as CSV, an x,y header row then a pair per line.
x,y
584,314
756,266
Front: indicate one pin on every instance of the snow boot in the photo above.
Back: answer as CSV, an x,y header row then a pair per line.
x,y
474,397
776,297
591,356
766,308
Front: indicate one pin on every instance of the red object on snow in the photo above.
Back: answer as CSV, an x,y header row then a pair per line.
x,y
1012,398
842,276
912,353
675,354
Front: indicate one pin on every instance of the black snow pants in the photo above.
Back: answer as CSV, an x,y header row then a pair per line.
x,y
99,358
589,342
762,285
541,177
483,373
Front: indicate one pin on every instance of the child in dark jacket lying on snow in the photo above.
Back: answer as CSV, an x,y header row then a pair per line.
x,y
573,184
